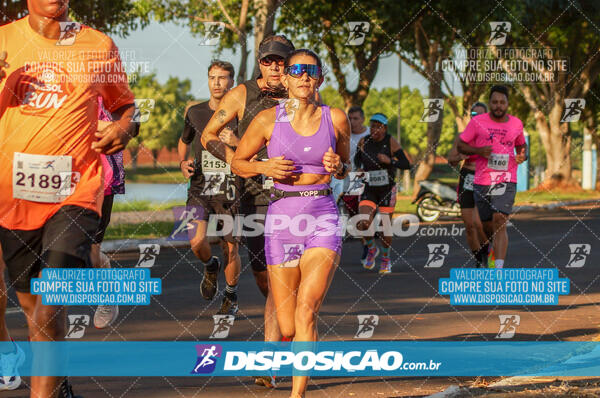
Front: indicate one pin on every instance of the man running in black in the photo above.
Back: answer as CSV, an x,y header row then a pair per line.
x,y
213,189
245,102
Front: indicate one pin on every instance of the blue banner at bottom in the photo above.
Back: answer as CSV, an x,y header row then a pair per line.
x,y
342,358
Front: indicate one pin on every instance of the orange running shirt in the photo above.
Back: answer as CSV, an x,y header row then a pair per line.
x,y
49,106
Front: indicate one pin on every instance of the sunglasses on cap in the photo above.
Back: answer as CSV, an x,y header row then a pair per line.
x,y
297,70
269,59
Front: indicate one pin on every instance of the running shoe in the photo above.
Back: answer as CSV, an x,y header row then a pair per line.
x,y
491,260
371,256
363,258
66,390
386,266
210,280
228,307
267,381
105,316
10,364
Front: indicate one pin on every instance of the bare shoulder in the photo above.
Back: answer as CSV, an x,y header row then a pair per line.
x,y
265,117
236,95
338,115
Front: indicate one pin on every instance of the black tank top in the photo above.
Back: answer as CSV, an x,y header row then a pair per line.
x,y
256,102
368,156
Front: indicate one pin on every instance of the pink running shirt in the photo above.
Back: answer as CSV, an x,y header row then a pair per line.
x,y
501,166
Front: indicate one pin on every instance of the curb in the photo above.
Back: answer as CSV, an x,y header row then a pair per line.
x,y
555,205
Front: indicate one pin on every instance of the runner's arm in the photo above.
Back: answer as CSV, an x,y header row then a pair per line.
x,y
455,157
399,158
467,149
521,153
115,137
257,134
231,106
341,126
521,147
183,146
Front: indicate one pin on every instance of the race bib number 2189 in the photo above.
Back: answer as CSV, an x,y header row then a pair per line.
x,y
41,178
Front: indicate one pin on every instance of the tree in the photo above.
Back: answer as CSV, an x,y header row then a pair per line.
x,y
115,16
413,131
570,27
314,23
240,18
165,122
433,39
236,15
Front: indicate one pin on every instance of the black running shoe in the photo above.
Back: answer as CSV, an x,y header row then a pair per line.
x,y
210,280
228,306
66,390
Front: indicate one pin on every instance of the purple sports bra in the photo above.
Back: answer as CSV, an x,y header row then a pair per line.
x,y
306,152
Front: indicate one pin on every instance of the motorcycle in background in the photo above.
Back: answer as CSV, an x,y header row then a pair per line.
x,y
436,199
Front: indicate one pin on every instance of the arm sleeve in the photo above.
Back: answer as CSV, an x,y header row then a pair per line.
x,y
401,161
188,130
469,134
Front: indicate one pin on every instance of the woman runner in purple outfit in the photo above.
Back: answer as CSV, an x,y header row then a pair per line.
x,y
306,143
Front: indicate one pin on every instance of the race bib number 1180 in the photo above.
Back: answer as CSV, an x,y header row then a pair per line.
x,y
498,161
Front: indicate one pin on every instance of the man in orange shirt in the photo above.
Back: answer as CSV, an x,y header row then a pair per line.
x,y
52,72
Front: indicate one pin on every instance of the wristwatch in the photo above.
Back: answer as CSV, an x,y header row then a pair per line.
x,y
344,168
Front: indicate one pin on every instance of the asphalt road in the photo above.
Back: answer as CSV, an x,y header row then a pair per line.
x,y
406,302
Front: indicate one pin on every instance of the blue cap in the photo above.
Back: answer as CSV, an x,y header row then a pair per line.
x,y
380,117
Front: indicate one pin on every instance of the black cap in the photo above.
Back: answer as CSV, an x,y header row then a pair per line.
x,y
274,48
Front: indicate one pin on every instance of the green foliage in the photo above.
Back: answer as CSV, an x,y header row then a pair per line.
x,y
165,124
114,16
413,132
194,13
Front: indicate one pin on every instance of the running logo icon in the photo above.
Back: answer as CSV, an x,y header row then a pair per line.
x,y
499,33
207,358
498,181
212,33
77,325
366,326
357,183
68,181
432,111
358,33
213,183
143,107
148,254
184,225
579,253
573,109
292,254
508,326
223,323
437,254
68,33
287,110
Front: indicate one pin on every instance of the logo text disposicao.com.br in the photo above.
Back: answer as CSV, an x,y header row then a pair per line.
x,y
324,361
404,225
